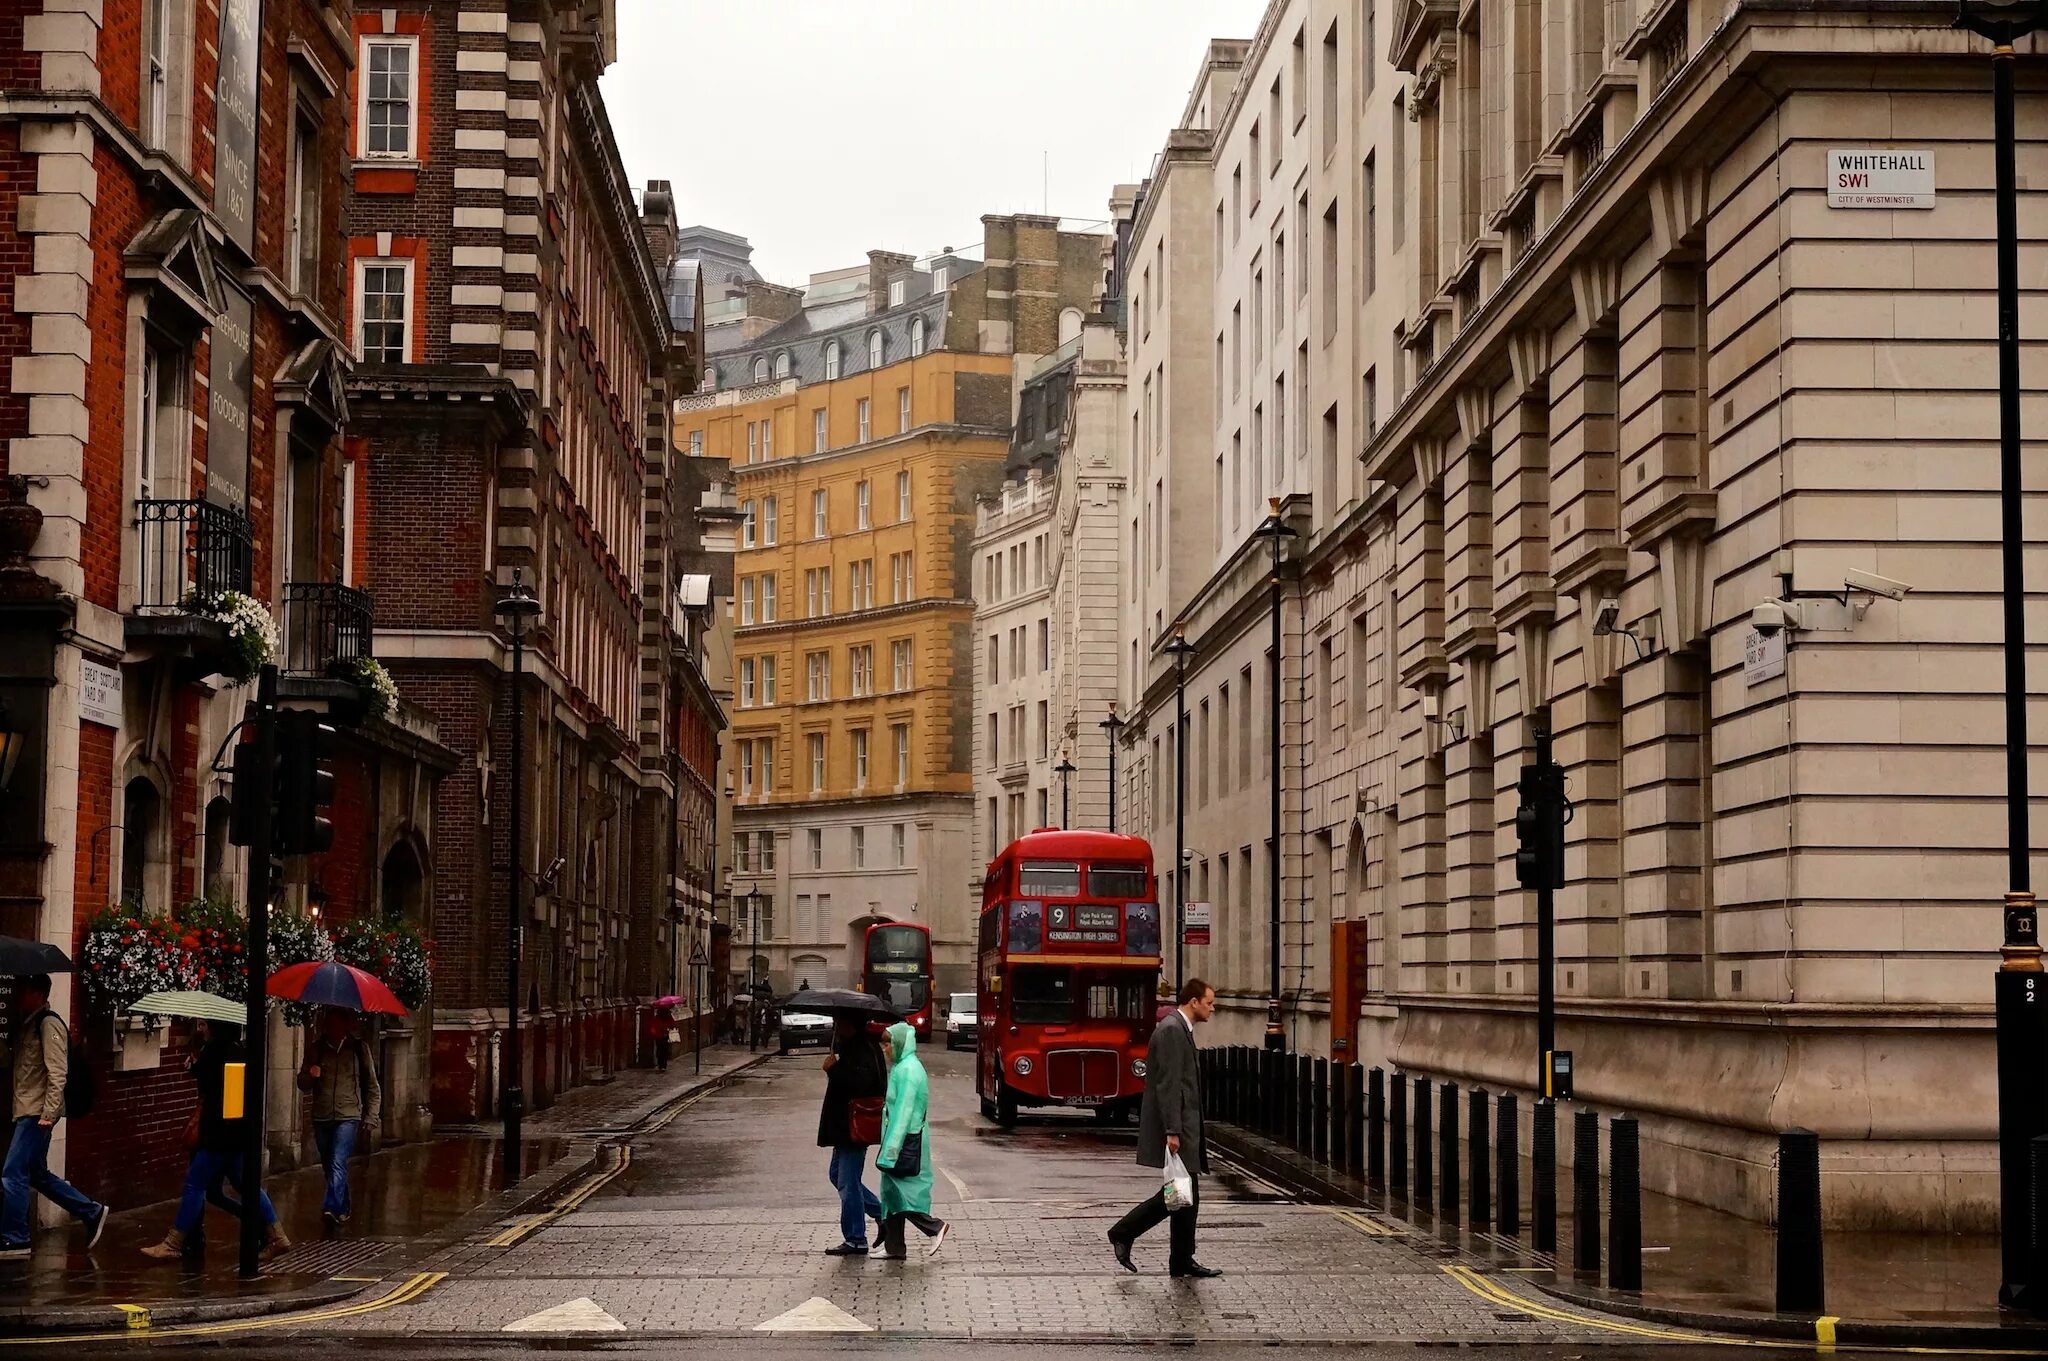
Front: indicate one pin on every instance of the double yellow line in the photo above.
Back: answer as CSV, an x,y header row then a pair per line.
x,y
526,1227
1493,1292
404,1293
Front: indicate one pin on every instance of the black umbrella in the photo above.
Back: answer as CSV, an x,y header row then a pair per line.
x,y
841,1002
20,958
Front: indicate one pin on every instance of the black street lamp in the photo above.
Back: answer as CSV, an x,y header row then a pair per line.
x,y
754,897
1277,530
518,608
2019,986
1180,649
1064,770
1112,726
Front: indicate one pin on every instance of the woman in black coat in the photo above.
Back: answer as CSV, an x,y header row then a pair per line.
x,y
855,1079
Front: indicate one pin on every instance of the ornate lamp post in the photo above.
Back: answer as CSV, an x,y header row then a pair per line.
x,y
1277,531
2019,989
1112,726
754,899
1064,770
1180,649
518,608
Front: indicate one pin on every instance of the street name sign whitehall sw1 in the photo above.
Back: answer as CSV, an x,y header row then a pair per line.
x,y
1898,178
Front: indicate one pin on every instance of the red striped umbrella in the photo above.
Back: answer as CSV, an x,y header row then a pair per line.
x,y
334,985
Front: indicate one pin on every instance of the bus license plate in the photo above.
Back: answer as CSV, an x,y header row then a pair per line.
x,y
1088,1100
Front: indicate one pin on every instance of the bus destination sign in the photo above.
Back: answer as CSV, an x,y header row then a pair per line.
x,y
1083,924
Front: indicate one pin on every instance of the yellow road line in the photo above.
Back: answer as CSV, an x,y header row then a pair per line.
x,y
1254,1178
1363,1223
1495,1293
517,1233
404,1293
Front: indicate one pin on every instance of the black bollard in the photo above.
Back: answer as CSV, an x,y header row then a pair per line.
x,y
1320,1117
1447,1155
1508,1149
1276,1096
1586,1192
1481,1160
1802,1284
1376,1127
1354,1110
1624,1205
1425,1147
1304,1101
1543,1194
1241,1084
1397,1138
1339,1126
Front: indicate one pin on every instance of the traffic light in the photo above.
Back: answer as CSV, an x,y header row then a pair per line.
x,y
1539,826
305,784
252,788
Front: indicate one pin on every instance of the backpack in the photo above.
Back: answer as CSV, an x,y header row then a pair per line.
x,y
81,1084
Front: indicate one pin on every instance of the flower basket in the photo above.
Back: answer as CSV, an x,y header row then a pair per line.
x,y
367,674
252,633
214,936
129,951
296,938
396,954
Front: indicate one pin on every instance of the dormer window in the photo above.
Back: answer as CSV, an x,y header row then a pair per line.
x,y
761,369
916,336
782,364
895,292
831,359
874,349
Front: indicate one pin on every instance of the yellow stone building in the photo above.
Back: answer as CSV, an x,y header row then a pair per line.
x,y
862,416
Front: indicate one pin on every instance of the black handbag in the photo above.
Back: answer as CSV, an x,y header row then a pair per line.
x,y
909,1158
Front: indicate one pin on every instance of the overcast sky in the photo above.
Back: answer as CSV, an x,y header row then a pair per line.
x,y
821,129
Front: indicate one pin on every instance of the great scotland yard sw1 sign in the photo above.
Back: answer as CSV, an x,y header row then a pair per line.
x,y
1881,179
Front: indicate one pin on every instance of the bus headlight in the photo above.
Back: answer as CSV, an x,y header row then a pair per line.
x,y
1137,1067
1023,1065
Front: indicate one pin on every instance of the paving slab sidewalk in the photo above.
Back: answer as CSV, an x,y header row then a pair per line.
x,y
410,1201
1711,1271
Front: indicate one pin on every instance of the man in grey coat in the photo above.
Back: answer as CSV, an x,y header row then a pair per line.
x,y
1170,1121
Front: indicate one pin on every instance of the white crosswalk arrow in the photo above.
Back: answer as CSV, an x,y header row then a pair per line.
x,y
815,1315
574,1316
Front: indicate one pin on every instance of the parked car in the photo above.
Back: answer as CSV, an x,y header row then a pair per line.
x,y
800,1028
963,1023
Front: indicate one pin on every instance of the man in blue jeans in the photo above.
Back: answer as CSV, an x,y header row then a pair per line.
x,y
42,1059
848,1123
341,1077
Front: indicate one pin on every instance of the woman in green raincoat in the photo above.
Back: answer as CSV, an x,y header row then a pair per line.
x,y
906,1140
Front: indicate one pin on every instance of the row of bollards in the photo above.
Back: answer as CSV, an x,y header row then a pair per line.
x,y
1403,1134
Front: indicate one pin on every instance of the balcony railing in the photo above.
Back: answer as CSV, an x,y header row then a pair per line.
x,y
325,624
190,547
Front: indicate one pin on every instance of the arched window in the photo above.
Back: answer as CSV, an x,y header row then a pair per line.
x,y
1070,324
711,378
782,364
761,369
916,336
831,359
874,349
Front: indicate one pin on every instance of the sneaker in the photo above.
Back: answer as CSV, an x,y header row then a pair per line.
x,y
94,1227
848,1250
939,1238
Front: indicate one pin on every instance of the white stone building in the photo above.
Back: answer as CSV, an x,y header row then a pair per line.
x,y
1014,784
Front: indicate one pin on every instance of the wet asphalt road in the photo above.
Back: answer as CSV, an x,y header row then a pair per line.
x,y
715,1227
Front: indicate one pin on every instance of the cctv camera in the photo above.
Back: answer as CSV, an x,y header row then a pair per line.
x,y
1607,615
1876,585
1773,617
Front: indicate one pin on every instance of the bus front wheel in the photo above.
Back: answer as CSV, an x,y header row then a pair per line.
x,y
1006,1105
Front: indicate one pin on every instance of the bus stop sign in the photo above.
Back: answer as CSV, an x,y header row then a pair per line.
x,y
1195,920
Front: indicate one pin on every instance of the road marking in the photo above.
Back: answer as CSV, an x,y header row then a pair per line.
x,y
1495,1293
1363,1223
959,1186
815,1315
1246,1174
404,1293
531,1224
584,1315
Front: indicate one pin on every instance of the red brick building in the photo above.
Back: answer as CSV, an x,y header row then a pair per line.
x,y
173,359
518,353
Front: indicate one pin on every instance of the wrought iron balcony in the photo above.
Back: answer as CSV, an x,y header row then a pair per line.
x,y
326,624
191,547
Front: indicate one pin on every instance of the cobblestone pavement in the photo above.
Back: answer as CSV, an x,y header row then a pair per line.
x,y
716,1223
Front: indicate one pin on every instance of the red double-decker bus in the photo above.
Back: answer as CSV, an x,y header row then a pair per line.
x,y
1068,964
894,962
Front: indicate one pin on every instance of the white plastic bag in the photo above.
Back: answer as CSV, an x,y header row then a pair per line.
x,y
1179,1189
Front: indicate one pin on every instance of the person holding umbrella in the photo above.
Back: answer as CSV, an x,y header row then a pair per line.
x,y
341,1076
849,1124
216,1143
661,1028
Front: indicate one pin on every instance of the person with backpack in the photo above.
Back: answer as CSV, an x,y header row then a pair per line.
x,y
44,1093
347,1101
216,1144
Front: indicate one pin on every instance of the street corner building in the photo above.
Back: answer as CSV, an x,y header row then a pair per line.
x,y
1515,354
862,416
521,328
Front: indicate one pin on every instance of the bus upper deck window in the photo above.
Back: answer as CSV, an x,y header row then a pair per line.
x,y
1116,881
1050,879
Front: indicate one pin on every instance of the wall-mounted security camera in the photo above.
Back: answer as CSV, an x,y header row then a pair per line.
x,y
1607,615
1871,582
1773,617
